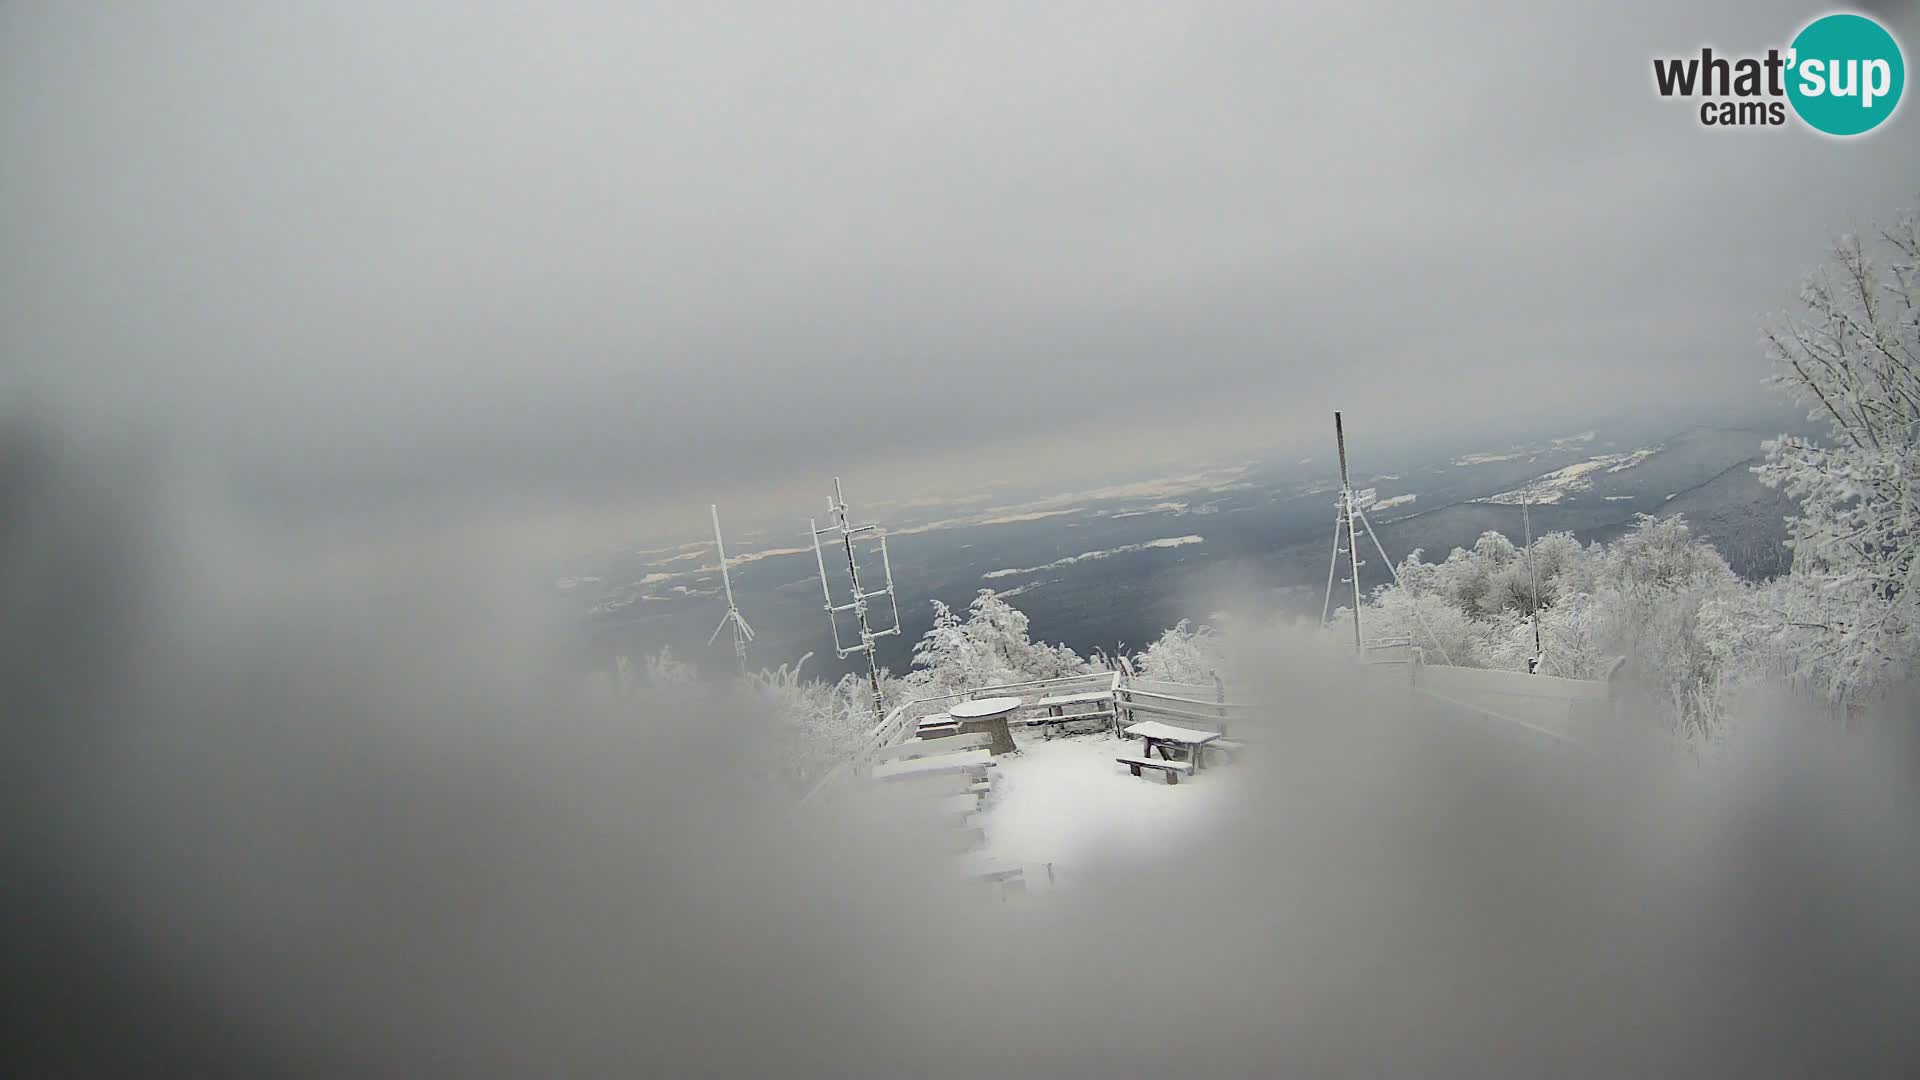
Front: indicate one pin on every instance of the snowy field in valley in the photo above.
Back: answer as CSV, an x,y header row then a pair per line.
x,y
1562,483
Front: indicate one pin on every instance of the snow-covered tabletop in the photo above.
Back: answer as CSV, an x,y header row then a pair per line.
x,y
1153,732
1159,732
984,708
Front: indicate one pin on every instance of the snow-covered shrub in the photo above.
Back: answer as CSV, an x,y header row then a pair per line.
x,y
1184,654
1444,632
1654,585
663,670
821,724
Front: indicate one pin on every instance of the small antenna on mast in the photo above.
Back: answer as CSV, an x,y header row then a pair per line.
x,y
837,508
742,633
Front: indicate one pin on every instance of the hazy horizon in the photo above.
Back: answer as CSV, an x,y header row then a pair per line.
x,y
565,273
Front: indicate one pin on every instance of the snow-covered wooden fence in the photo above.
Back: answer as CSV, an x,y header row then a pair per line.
x,y
1188,704
1542,708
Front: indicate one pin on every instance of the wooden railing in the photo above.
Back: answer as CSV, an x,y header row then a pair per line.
x,y
1190,704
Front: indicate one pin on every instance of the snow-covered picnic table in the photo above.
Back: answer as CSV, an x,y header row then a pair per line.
x,y
988,715
1154,733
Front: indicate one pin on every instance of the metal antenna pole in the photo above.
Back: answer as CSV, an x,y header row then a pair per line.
x,y
859,599
1533,575
1349,513
837,507
1326,607
1353,545
742,633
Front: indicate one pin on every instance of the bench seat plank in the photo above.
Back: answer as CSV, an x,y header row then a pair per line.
x,y
1156,763
1174,769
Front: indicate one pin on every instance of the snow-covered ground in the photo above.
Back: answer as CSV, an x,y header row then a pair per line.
x,y
1066,801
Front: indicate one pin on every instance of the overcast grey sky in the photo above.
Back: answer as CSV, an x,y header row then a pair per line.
x,y
602,260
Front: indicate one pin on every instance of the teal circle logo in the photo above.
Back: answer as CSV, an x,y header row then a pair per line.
x,y
1845,74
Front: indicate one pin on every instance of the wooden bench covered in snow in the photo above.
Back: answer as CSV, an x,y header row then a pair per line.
x,y
1057,703
1056,709
1174,770
937,726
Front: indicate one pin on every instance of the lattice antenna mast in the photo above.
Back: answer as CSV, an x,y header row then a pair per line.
x,y
742,633
841,524
1344,519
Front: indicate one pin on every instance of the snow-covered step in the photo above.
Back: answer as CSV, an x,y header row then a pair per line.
x,y
936,785
965,762
957,805
915,748
980,866
969,839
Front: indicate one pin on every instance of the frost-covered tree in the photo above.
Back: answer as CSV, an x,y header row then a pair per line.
x,y
990,647
1184,654
1845,617
1443,632
1656,580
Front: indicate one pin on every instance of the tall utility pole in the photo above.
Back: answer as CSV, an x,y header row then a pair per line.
x,y
1353,542
742,633
837,507
1343,519
1539,651
1346,517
